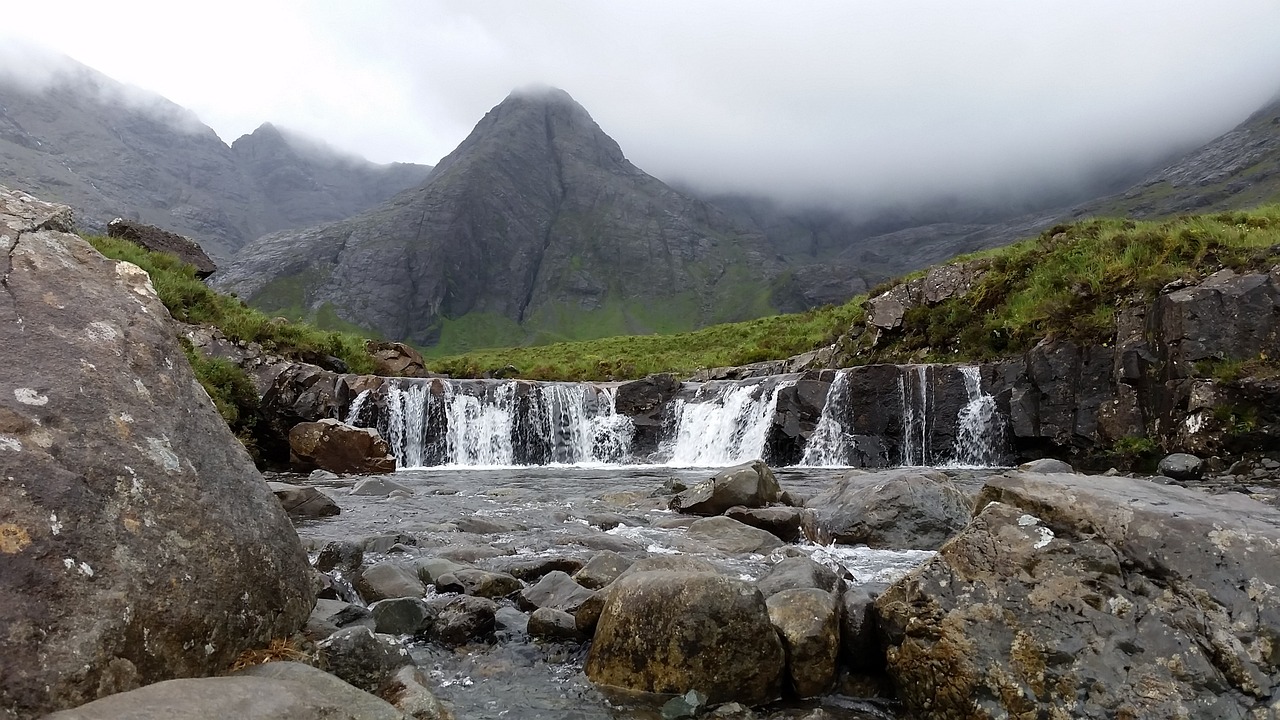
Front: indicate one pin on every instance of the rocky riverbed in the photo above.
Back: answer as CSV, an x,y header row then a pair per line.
x,y
523,522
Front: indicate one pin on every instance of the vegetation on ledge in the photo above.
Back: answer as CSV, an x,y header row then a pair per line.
x,y
1065,283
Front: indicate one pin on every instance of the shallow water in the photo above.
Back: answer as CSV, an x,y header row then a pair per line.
x,y
490,516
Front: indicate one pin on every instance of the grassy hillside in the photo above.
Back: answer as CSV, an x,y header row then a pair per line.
x,y
1067,282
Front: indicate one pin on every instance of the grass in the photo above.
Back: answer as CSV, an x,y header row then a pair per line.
x,y
625,357
189,300
1067,283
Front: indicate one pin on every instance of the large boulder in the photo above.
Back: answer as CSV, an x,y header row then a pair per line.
x,y
153,238
1097,597
396,359
749,484
671,632
730,536
808,620
274,691
138,542
906,508
337,447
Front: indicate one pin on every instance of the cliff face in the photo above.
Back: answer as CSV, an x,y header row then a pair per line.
x,y
108,150
536,227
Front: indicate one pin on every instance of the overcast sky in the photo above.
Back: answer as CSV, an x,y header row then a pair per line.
x,y
839,100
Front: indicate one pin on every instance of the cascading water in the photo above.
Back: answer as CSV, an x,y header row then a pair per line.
x,y
725,425
499,424
828,446
916,419
979,429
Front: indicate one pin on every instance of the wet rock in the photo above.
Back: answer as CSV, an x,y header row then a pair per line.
x,y
384,543
1046,465
362,657
555,590
303,502
407,691
273,691
153,238
808,620
330,616
666,632
798,572
319,476
1181,466
603,568
401,616
750,485
511,621
859,642
899,509
487,525
464,619
644,401
481,583
554,625
783,522
379,487
587,615
1153,597
337,447
688,705
342,555
609,521
129,508
430,569
389,579
730,536
472,553
530,570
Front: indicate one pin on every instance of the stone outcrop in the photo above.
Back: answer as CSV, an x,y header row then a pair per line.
x,y
157,240
671,632
1092,597
894,509
340,448
137,540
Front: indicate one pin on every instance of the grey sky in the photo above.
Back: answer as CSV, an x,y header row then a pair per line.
x,y
848,101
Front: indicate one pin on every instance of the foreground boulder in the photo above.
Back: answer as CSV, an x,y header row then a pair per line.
x,y
671,632
137,540
907,508
337,447
1092,597
750,485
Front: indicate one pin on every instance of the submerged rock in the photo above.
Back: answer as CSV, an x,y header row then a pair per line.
x,y
362,657
908,508
304,502
668,632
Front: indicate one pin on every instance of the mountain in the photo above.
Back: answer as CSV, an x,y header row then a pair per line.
x,y
109,150
535,228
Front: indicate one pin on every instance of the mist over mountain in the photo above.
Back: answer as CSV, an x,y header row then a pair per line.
x,y
72,135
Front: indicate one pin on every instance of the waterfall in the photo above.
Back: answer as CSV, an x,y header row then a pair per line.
x,y
979,430
916,419
829,443
499,424
723,425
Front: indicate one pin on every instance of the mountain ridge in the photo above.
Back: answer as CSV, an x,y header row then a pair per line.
x,y
110,150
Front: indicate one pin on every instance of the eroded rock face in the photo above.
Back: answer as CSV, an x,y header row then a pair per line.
x,y
1092,597
671,631
905,508
337,447
137,541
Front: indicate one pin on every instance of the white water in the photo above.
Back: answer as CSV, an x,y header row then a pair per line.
x,y
915,415
828,446
979,429
727,427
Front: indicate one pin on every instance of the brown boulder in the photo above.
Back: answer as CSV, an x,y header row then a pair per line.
x,y
337,447
396,359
